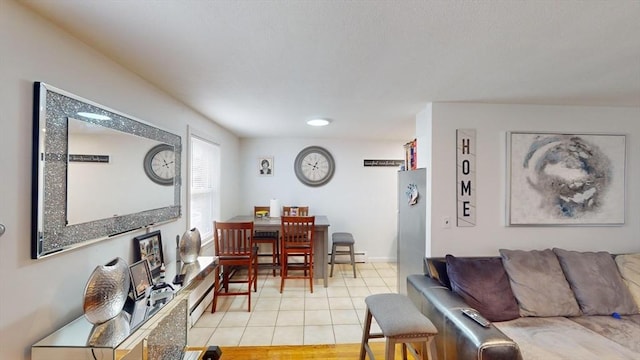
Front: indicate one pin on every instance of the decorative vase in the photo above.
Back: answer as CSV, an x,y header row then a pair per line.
x,y
190,246
106,291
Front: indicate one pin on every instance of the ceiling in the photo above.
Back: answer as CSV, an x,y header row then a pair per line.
x,y
261,68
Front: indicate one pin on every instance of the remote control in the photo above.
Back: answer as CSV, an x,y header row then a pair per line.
x,y
475,316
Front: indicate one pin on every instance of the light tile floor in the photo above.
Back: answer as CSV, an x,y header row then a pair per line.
x,y
330,315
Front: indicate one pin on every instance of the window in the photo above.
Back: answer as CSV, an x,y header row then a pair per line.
x,y
204,185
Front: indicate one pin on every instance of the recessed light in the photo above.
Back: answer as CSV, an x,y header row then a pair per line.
x,y
94,116
318,122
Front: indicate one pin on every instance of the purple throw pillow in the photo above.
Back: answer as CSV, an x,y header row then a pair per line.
x,y
484,285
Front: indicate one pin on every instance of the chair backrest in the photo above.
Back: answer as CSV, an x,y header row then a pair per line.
x,y
295,211
233,238
261,211
297,229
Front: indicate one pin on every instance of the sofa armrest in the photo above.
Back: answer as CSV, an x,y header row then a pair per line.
x,y
458,336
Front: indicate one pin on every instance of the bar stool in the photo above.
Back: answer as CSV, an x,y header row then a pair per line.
x,y
343,239
401,323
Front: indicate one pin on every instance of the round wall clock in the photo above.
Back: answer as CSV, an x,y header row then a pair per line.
x,y
314,166
160,165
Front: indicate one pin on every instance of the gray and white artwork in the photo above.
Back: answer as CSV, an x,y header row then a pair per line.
x,y
566,179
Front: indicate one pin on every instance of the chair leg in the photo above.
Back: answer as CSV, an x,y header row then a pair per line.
x,y
274,256
333,258
283,269
311,272
353,260
365,334
216,285
390,349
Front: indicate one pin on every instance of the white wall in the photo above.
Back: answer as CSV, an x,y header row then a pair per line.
x,y
39,296
492,122
361,200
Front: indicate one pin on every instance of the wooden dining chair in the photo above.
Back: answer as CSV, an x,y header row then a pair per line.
x,y
234,247
297,234
267,237
295,211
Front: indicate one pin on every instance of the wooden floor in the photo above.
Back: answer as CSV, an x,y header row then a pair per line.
x,y
325,352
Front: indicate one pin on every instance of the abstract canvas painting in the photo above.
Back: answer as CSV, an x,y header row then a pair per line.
x,y
565,179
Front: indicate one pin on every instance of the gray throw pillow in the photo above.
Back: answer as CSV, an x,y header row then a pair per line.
x,y
596,282
484,285
538,283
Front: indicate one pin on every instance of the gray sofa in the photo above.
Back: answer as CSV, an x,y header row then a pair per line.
x,y
591,312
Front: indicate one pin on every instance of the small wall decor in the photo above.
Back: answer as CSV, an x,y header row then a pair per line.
x,y
265,166
566,179
412,194
466,179
140,278
106,291
149,247
383,163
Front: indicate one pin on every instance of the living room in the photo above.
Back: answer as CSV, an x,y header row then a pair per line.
x,y
47,293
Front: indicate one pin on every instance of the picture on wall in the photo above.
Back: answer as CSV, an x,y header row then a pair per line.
x,y
565,179
149,247
265,166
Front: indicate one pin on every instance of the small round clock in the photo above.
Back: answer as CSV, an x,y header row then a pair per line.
x,y
314,166
160,165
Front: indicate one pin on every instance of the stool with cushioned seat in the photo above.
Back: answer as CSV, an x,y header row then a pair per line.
x,y
343,239
401,323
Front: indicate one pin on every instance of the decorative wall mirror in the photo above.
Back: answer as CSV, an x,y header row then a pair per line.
x,y
97,173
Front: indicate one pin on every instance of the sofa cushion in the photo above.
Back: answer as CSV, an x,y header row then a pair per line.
x,y
559,338
484,285
629,267
538,283
596,282
622,330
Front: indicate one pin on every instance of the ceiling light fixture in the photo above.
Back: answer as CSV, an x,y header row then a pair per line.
x,y
94,116
318,122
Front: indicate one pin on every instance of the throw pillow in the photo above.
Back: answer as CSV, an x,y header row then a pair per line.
x,y
629,267
596,282
538,283
484,285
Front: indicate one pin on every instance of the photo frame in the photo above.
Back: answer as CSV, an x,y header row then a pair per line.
x,y
140,278
265,166
149,247
565,179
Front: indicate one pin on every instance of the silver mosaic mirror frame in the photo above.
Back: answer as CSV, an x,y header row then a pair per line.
x,y
49,232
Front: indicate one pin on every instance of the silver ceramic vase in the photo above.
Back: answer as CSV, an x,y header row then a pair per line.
x,y
106,291
189,246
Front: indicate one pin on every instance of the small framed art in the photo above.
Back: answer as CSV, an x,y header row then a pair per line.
x,y
265,166
149,247
140,278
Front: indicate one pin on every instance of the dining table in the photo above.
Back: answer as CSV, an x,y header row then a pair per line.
x,y
320,245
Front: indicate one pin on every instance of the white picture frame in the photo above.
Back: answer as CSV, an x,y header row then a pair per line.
x,y
265,166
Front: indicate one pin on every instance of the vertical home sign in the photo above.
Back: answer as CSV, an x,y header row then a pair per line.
x,y
466,179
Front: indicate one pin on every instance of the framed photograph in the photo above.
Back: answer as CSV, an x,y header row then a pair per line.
x,y
140,278
565,179
265,166
149,247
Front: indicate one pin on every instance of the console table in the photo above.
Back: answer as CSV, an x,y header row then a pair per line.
x,y
133,331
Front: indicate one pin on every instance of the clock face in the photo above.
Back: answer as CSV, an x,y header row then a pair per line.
x,y
160,165
314,166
